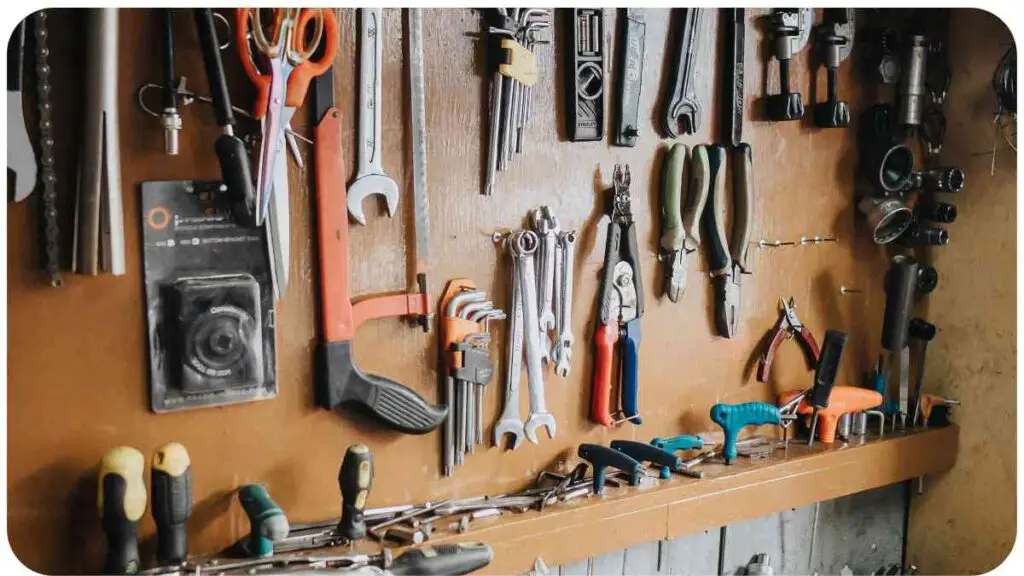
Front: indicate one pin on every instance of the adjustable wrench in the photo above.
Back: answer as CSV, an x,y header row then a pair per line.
x,y
370,178
510,422
567,249
525,246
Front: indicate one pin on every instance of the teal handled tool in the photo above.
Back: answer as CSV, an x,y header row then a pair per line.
x,y
734,417
266,519
683,442
667,462
601,457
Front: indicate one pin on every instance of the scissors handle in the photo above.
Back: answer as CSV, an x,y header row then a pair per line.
x,y
243,24
302,74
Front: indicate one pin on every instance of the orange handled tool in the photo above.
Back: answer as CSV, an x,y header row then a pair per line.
x,y
929,402
605,338
843,400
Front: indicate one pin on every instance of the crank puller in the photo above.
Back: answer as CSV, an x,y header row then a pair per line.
x,y
171,478
267,522
601,457
355,479
122,502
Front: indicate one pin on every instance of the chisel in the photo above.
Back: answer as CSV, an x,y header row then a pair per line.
x,y
122,501
171,478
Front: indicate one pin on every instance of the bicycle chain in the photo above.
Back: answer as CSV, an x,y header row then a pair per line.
x,y
47,174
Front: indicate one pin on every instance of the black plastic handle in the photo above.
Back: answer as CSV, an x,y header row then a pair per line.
x,y
828,367
340,381
920,329
355,479
600,457
713,219
899,298
647,453
456,559
171,478
170,94
214,67
122,555
236,171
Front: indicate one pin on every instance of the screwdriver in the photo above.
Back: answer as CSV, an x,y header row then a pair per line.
x,y
355,479
825,375
171,478
267,521
456,559
122,501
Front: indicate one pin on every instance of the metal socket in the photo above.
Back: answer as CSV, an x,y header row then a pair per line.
x,y
888,218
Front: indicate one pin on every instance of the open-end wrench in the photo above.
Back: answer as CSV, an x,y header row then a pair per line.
x,y
567,249
510,422
682,105
370,178
547,229
525,246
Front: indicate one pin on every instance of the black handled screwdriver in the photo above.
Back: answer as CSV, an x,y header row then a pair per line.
x,y
171,484
355,479
454,559
825,375
122,501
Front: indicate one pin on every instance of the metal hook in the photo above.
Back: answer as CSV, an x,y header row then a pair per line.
x,y
227,28
187,98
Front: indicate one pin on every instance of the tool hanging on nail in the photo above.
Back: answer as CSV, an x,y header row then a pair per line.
x,y
899,299
835,40
680,235
620,307
339,380
633,26
585,72
791,29
99,216
682,106
787,327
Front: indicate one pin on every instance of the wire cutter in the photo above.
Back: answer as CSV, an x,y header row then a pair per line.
x,y
788,327
621,304
681,226
727,260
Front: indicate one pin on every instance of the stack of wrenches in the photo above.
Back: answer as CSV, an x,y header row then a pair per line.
x,y
468,313
514,36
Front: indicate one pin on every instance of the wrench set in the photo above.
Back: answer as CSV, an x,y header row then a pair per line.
x,y
542,261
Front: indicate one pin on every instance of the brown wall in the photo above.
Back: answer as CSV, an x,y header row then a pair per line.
x,y
966,522
77,356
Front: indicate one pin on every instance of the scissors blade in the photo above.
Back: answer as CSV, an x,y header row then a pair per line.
x,y
273,128
277,226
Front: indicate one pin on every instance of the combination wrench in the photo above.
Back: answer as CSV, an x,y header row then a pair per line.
x,y
510,422
370,178
547,229
525,246
567,257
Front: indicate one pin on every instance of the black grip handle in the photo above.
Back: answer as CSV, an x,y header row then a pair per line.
x,y
170,94
122,556
171,477
443,559
713,220
236,171
342,382
828,367
16,58
355,479
214,67
920,329
899,298
642,452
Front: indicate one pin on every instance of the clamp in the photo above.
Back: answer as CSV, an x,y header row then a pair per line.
x,y
621,305
788,327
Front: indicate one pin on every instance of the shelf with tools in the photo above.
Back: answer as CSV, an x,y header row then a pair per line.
x,y
746,489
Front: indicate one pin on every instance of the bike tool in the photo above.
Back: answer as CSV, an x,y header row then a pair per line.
x,y
665,460
621,305
835,41
733,418
171,478
633,32
585,71
787,327
680,235
900,282
824,378
339,380
682,106
791,29
281,74
122,502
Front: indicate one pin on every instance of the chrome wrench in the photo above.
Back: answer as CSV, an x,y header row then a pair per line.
x,y
546,226
567,249
525,245
370,177
510,422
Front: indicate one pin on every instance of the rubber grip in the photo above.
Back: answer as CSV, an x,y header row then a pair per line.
x,y
214,67
604,347
743,202
666,461
394,405
267,522
600,457
684,442
633,257
631,372
122,502
899,298
171,480
827,369
260,81
697,196
443,559
713,218
673,175
355,480
734,417
303,74
236,171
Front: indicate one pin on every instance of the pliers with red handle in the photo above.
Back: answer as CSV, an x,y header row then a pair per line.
x,y
786,328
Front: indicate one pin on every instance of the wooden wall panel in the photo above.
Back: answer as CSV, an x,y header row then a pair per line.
x,y
77,356
974,356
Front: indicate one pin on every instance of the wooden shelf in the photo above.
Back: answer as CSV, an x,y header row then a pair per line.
x,y
727,494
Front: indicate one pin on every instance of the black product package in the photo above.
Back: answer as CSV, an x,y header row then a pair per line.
x,y
209,303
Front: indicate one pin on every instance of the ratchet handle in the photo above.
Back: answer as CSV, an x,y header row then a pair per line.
x,y
443,559
734,417
673,174
303,74
261,82
214,67
713,219
631,371
604,347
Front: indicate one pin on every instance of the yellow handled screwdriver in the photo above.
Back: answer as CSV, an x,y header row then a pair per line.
x,y
355,478
121,498
171,481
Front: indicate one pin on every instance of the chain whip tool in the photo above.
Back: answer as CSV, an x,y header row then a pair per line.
x,y
46,160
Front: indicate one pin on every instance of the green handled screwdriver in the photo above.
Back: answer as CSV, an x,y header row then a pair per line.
x,y
266,520
355,479
171,483
121,499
